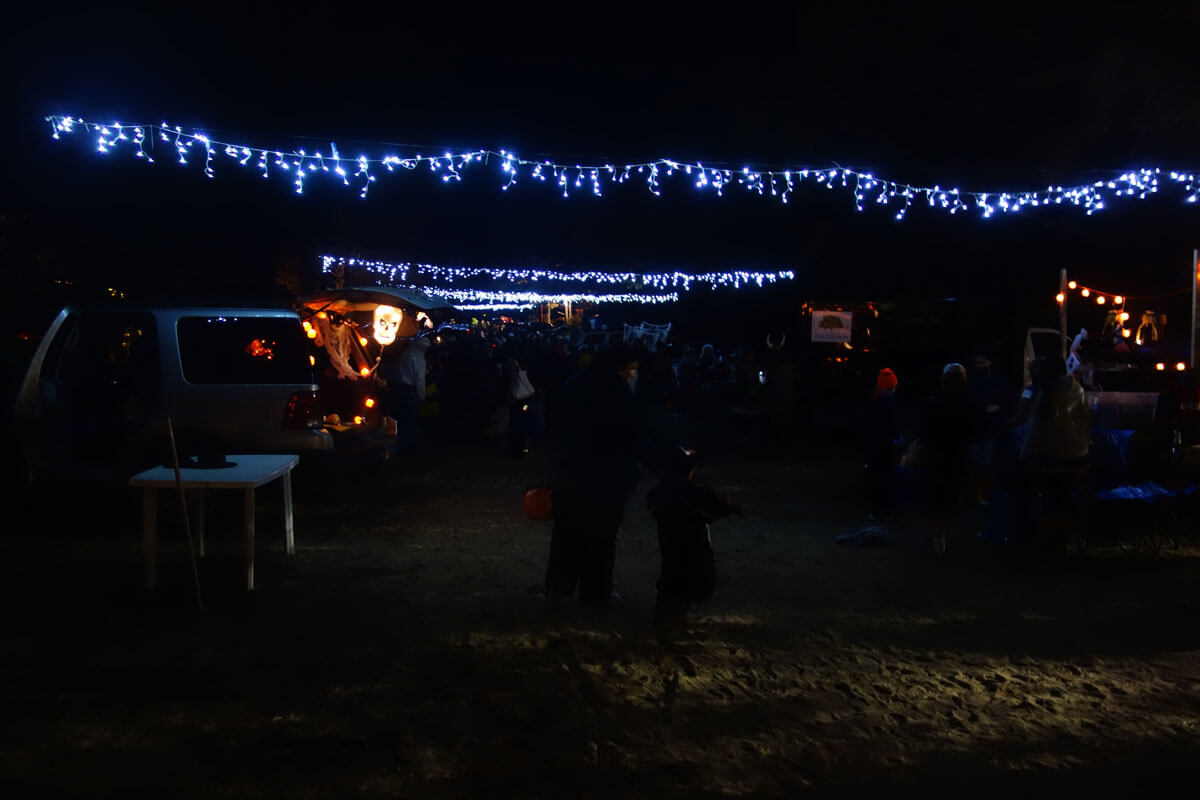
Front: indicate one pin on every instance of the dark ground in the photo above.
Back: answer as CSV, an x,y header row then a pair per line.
x,y
403,651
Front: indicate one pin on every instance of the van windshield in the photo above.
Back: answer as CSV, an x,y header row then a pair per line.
x,y
243,349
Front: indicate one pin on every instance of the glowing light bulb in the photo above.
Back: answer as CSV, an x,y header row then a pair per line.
x,y
1124,316
1071,284
311,333
1180,366
1119,300
358,420
1085,293
369,402
312,361
365,371
1100,300
1126,332
1059,297
1160,366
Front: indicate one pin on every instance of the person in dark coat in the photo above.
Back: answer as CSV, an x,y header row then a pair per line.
x,y
403,371
598,444
518,394
881,432
683,510
947,429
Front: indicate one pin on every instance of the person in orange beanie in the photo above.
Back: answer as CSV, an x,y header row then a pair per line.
x,y
881,431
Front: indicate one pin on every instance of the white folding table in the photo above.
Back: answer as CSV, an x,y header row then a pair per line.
x,y
248,473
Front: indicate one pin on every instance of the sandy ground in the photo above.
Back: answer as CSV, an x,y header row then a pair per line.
x,y
403,651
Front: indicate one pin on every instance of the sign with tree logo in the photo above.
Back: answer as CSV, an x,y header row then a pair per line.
x,y
831,326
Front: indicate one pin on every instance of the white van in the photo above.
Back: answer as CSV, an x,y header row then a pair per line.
x,y
95,399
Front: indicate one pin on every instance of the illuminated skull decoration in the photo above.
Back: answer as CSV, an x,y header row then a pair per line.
x,y
387,323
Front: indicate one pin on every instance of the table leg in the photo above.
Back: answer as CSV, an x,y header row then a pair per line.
x,y
149,535
248,525
288,529
197,502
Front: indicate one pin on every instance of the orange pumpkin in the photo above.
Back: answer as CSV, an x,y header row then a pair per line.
x,y
539,503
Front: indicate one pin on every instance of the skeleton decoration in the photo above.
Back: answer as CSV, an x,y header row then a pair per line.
x,y
387,323
338,343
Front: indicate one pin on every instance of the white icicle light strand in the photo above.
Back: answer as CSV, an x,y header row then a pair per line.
x,y
778,183
409,271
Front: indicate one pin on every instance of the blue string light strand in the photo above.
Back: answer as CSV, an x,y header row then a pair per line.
x,y
451,278
779,184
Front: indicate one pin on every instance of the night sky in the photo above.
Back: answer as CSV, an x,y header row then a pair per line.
x,y
979,100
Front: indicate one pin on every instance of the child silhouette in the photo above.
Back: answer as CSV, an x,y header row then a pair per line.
x,y
683,510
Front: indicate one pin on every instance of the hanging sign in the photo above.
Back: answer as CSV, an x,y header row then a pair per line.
x,y
831,326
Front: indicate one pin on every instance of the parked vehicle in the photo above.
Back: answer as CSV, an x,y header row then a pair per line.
x,y
96,397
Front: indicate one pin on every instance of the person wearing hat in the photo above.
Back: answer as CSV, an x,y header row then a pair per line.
x,y
881,430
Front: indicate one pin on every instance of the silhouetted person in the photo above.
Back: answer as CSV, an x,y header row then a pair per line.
x,y
683,510
598,444
404,374
881,432
946,430
519,394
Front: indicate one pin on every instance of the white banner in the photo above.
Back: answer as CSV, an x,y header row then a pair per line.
x,y
831,326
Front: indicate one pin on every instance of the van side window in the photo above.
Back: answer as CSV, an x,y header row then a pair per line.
x,y
253,350
108,362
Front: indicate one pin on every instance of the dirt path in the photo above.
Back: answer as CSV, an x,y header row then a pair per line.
x,y
403,652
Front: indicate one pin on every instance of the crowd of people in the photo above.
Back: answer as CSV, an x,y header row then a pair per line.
x,y
503,382
599,411
972,444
